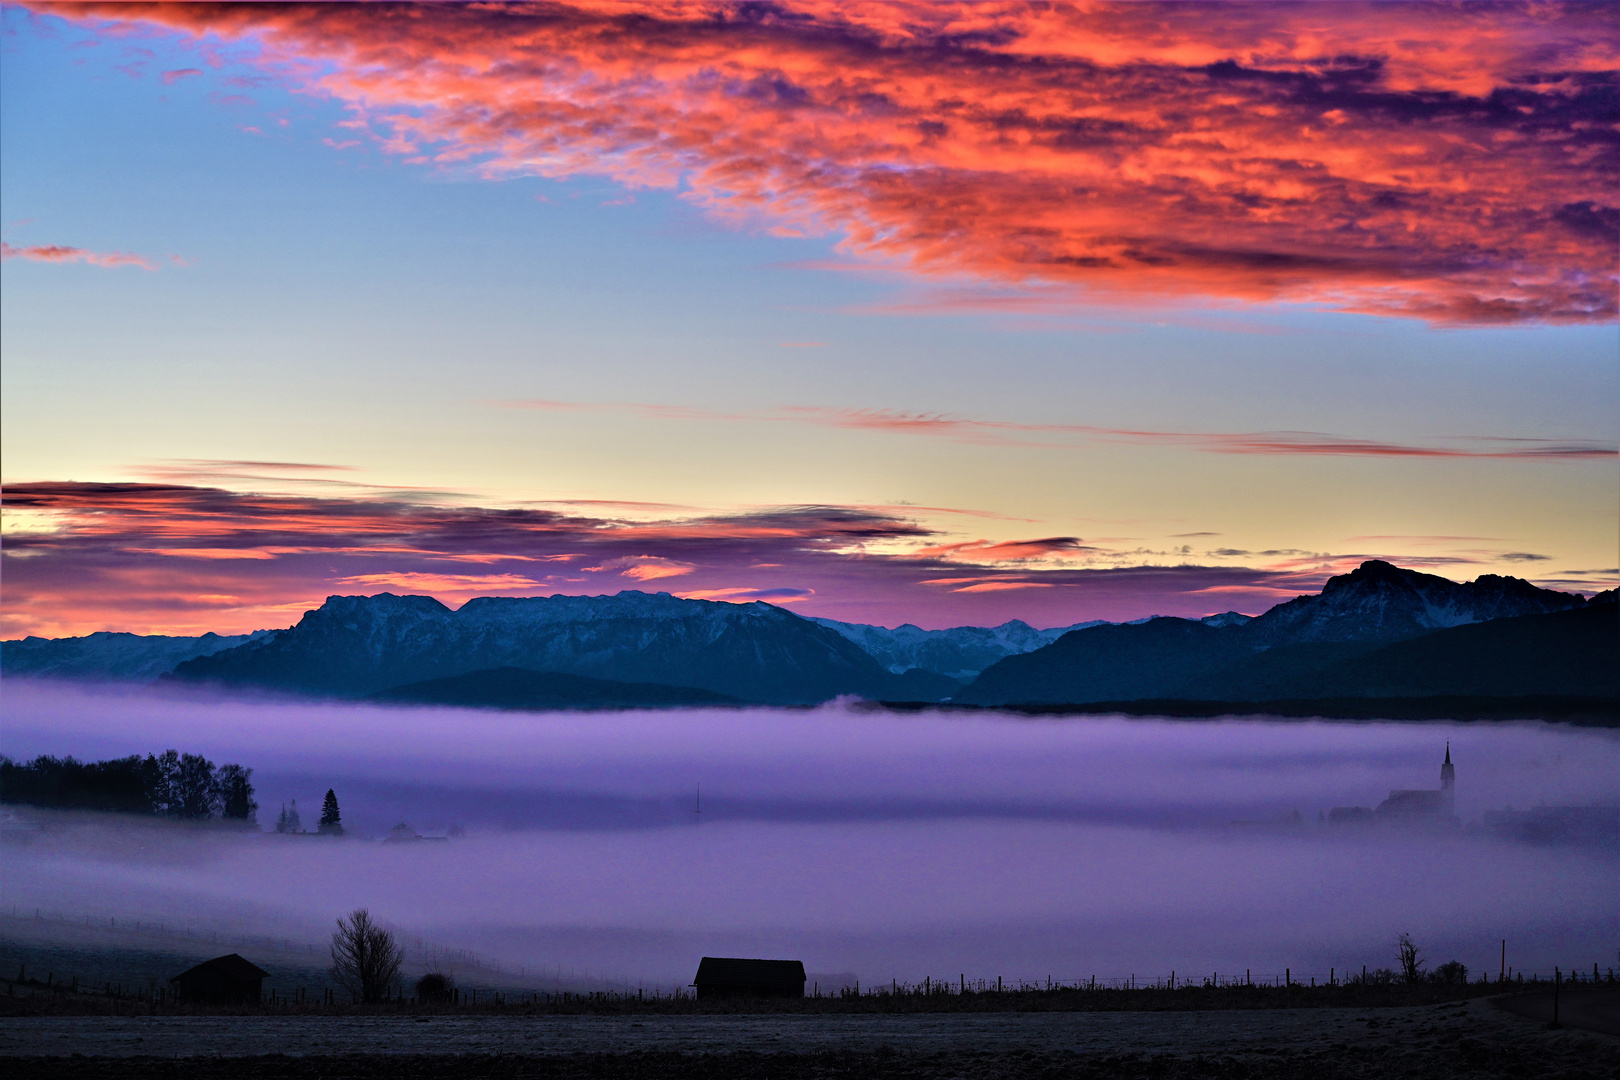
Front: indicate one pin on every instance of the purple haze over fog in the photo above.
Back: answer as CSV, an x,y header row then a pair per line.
x,y
891,846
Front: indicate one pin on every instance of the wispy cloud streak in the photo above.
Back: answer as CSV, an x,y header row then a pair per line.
x,y
1006,433
1452,163
57,253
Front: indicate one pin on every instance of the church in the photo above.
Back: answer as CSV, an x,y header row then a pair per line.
x,y
1420,806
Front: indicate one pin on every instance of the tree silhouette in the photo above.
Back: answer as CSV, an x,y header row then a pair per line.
x,y
288,821
331,821
1410,957
183,785
365,957
235,786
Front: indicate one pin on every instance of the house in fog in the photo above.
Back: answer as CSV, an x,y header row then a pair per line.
x,y
404,834
1414,806
724,976
222,979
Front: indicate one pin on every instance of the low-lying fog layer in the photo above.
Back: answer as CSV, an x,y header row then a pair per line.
x,y
888,846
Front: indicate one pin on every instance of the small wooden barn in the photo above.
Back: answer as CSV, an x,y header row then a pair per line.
x,y
224,978
725,976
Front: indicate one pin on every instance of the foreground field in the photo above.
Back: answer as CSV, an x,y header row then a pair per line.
x,y
1465,1039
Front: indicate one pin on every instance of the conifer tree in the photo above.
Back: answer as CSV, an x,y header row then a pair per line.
x,y
331,822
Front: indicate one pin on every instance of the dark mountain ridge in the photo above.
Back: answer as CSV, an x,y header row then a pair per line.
x,y
1379,631
1378,601
111,655
352,646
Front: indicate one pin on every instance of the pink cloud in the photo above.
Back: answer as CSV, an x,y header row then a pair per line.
x,y
645,567
1002,586
172,77
56,253
1451,163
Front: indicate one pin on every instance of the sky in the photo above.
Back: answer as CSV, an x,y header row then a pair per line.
x,y
932,313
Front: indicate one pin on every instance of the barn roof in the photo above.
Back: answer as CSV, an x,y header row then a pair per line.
x,y
231,966
732,971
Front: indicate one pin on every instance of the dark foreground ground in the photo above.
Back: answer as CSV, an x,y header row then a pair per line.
x,y
1470,1039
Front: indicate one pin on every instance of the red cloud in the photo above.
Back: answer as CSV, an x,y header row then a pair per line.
x,y
1448,162
56,253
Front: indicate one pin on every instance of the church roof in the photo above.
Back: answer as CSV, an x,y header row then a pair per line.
x,y
1413,802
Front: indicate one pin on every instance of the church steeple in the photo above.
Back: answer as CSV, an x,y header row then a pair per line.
x,y
1448,778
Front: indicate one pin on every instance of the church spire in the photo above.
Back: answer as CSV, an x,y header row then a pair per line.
x,y
1448,778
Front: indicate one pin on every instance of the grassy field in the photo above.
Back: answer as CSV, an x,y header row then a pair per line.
x,y
34,997
1473,1040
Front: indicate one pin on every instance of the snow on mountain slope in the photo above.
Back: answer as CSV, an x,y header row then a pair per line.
x,y
1226,618
1380,602
111,656
355,645
960,652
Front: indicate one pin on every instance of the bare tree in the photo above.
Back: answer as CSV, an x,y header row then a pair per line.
x,y
1411,958
365,957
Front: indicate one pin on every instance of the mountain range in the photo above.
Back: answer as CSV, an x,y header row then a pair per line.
x,y
1380,631
111,655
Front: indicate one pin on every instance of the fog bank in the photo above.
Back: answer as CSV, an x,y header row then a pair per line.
x,y
887,846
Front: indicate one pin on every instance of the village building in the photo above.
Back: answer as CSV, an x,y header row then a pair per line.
x,y
722,976
222,979
1409,806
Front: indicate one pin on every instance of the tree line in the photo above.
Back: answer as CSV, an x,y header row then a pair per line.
x,y
170,784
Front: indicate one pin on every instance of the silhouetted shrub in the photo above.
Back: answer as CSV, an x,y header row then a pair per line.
x,y
435,986
1451,972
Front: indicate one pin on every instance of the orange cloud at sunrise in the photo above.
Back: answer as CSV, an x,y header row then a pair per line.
x,y
1452,163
